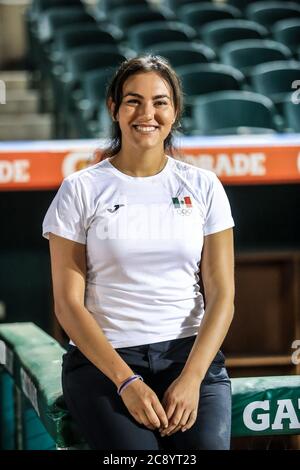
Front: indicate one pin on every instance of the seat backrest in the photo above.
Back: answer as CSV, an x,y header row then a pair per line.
x,y
56,18
246,53
76,36
176,4
268,13
197,15
247,109
199,79
94,83
217,33
288,32
291,112
110,5
90,58
144,35
275,77
183,53
125,17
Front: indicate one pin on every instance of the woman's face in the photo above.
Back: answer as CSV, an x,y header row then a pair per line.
x,y
146,113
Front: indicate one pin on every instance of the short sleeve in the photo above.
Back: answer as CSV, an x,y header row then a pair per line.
x,y
65,214
218,215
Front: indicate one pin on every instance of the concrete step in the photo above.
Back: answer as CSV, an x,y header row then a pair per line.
x,y
26,127
15,80
20,101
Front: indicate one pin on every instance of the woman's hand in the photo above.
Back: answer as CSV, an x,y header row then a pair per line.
x,y
180,402
144,405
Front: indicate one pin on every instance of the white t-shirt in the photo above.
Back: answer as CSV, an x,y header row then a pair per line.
x,y
144,237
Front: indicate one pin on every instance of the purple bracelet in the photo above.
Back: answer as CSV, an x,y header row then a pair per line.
x,y
128,381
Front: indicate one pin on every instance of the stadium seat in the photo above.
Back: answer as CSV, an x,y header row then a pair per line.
x,y
246,53
240,4
38,7
201,79
72,37
104,8
291,113
89,110
176,4
78,62
268,13
54,19
288,32
125,17
144,35
250,113
197,15
183,53
274,79
217,33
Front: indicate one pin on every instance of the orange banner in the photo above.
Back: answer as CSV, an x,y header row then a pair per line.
x,y
43,165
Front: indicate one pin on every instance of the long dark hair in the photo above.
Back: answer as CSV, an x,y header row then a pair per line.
x,y
142,64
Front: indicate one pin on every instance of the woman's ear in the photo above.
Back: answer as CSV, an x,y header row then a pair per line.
x,y
111,106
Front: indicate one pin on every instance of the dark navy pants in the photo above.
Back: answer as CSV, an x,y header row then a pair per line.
x,y
104,420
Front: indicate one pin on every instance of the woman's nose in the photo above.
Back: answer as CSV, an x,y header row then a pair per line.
x,y
147,110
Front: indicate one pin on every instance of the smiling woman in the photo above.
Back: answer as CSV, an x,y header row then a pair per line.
x,y
128,236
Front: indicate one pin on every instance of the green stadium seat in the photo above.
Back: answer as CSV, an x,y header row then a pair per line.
x,y
176,4
288,32
77,63
268,13
274,79
89,110
250,113
240,4
217,33
55,18
199,14
291,113
183,53
71,37
125,17
104,8
201,79
246,53
147,34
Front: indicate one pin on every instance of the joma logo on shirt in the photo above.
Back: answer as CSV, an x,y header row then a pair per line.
x,y
116,207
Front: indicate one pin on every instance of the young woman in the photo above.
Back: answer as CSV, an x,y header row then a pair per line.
x,y
128,236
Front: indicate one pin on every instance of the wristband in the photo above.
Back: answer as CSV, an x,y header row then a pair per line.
x,y
128,381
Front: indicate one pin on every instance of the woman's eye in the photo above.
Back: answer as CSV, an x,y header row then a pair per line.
x,y
160,103
132,101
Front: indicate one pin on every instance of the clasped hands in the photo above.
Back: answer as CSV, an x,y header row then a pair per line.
x,y
180,402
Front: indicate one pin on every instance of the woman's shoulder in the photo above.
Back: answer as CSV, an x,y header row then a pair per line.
x,y
187,167
90,174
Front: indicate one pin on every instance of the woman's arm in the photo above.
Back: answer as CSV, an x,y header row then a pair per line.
x,y
217,270
68,264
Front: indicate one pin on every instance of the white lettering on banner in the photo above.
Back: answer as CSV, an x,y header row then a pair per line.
x,y
29,390
237,164
285,410
75,161
14,171
264,419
